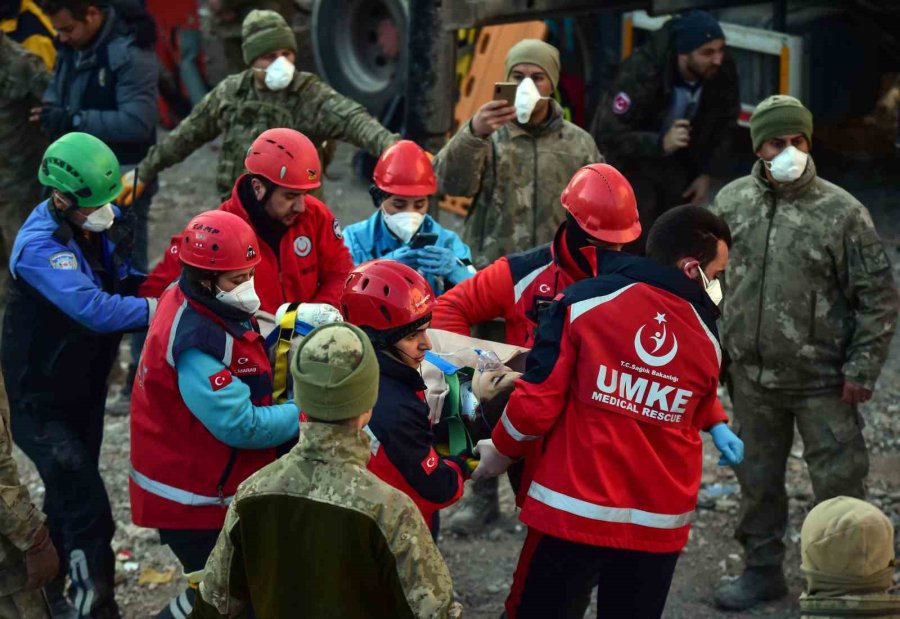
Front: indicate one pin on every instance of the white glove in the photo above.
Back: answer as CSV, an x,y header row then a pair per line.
x,y
491,462
313,314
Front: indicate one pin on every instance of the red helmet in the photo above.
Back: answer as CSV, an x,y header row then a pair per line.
x,y
602,202
385,295
286,157
404,169
219,241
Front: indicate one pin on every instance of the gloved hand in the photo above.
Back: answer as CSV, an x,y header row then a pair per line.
x,y
438,261
405,254
41,560
318,314
55,120
728,444
491,462
132,188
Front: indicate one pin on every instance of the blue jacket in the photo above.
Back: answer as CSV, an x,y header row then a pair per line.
x,y
370,239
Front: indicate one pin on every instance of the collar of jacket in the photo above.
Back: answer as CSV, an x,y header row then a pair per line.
x,y
87,58
232,319
669,278
785,191
396,369
334,444
551,125
563,259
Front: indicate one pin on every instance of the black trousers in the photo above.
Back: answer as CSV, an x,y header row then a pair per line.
x,y
555,577
64,445
192,547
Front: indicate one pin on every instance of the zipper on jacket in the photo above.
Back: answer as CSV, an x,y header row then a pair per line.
x,y
220,488
762,288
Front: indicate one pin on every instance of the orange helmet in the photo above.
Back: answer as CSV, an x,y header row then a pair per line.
x,y
404,169
219,241
602,202
286,157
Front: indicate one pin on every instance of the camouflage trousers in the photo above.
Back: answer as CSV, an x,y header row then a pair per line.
x,y
24,605
833,448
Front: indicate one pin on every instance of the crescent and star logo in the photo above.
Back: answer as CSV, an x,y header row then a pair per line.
x,y
243,360
659,338
302,246
544,288
220,379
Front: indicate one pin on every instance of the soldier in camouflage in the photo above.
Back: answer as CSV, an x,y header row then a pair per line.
x,y
809,312
668,115
23,80
267,94
315,533
515,170
227,17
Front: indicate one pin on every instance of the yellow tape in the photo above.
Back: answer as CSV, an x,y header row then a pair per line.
x,y
282,348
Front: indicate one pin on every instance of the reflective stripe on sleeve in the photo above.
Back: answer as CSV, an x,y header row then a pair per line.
x,y
174,494
515,434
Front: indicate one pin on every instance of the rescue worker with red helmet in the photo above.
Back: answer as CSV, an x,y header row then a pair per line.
x,y
401,228
302,254
600,212
202,418
392,303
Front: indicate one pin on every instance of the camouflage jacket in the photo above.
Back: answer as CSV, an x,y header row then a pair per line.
x,y
882,605
316,525
19,518
516,177
629,118
23,79
810,298
238,111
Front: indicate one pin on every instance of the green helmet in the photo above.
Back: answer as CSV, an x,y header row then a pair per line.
x,y
82,167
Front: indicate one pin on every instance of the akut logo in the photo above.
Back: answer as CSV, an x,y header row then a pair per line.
x,y
659,337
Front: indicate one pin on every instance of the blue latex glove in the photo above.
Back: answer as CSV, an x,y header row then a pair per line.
x,y
728,444
406,255
439,261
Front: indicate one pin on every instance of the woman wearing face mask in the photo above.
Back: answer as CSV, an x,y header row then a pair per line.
x,y
403,182
202,419
392,303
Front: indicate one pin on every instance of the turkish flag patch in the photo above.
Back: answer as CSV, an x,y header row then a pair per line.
x,y
220,379
621,103
430,463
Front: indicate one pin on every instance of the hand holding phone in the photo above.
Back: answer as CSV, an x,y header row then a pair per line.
x,y
423,239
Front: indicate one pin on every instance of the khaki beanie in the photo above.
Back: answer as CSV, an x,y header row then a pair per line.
x,y
534,51
779,115
264,32
847,547
335,373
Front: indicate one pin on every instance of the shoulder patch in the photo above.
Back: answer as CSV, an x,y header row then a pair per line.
x,y
220,379
430,462
338,233
64,260
621,103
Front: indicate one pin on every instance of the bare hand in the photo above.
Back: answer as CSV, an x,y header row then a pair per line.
x,y
491,116
698,191
854,393
677,137
35,114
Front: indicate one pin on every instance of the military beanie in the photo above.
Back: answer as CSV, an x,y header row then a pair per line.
x,y
264,32
847,547
534,51
779,115
335,373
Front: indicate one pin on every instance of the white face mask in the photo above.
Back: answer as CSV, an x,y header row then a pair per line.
x,y
527,97
100,220
788,165
713,288
404,224
279,74
242,297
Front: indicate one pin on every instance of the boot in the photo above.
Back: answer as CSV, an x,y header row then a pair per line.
x,y
478,509
119,405
755,585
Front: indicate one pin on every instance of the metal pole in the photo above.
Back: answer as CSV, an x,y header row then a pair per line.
x,y
430,76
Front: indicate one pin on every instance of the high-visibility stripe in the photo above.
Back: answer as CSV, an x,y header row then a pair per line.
x,y
624,515
176,495
525,282
513,432
577,309
229,349
172,331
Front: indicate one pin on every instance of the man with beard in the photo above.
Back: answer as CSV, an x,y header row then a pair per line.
x,y
668,115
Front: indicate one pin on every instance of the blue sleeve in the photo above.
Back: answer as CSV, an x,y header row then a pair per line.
x,y
76,294
227,412
134,120
464,269
358,239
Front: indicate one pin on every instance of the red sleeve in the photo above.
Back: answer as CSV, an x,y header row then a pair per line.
x,y
164,273
334,261
710,412
487,295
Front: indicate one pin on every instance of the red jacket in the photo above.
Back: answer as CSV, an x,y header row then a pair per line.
x,y
311,266
515,288
622,378
182,477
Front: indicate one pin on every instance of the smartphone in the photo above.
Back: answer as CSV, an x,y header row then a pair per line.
x,y
506,91
423,239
